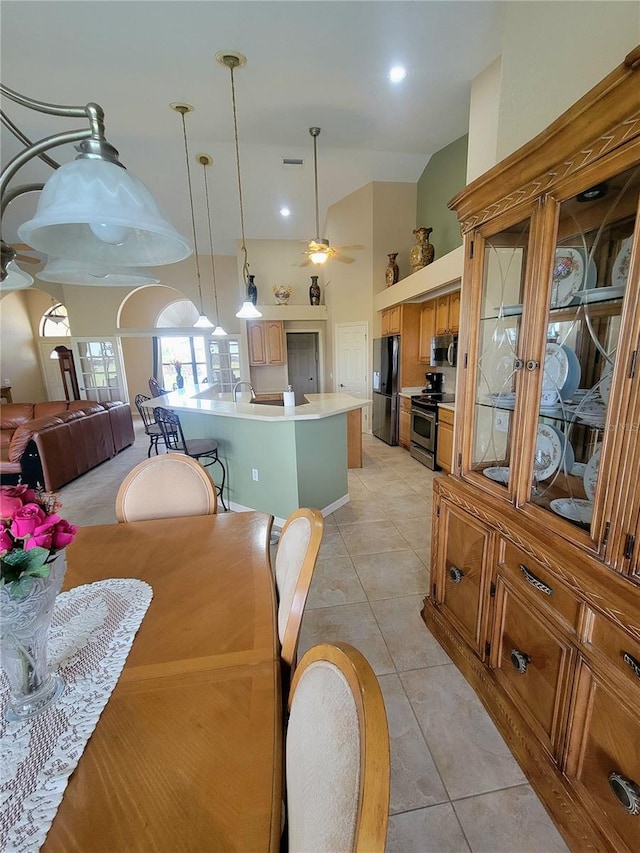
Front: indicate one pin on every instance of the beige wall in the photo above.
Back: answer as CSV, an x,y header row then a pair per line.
x,y
552,54
18,358
483,120
275,262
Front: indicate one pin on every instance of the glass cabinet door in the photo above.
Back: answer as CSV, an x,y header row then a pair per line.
x,y
499,333
589,282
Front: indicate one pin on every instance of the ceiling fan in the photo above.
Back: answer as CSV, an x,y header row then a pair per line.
x,y
319,251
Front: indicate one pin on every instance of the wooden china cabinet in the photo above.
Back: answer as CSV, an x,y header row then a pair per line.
x,y
536,534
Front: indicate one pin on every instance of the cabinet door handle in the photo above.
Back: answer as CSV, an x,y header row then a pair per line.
x,y
626,792
518,364
532,364
534,581
455,574
520,660
633,663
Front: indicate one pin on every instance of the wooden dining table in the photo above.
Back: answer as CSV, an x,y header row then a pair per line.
x,y
187,754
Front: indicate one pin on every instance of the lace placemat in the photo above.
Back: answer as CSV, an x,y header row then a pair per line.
x,y
91,634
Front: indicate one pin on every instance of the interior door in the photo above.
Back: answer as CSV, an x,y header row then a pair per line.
x,y
302,363
99,369
351,363
51,367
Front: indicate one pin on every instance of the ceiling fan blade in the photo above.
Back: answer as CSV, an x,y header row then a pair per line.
x,y
345,259
25,259
305,263
22,247
354,248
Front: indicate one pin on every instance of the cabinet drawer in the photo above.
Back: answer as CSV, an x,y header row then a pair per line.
x,y
621,651
405,404
604,758
530,575
532,663
445,416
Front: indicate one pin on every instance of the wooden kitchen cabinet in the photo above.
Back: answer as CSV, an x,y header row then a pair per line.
x,y
404,432
549,633
391,320
266,342
427,329
447,319
444,447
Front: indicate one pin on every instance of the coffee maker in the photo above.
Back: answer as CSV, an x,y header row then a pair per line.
x,y
434,383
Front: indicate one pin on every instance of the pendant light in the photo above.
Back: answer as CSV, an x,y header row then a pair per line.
x,y
232,60
203,321
75,272
205,160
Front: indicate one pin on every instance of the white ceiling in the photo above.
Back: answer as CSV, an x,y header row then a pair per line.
x,y
309,63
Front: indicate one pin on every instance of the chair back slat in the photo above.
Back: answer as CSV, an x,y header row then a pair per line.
x,y
171,428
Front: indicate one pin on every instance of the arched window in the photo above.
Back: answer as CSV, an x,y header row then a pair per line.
x,y
55,322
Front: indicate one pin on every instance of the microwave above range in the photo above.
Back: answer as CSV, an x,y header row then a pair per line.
x,y
444,350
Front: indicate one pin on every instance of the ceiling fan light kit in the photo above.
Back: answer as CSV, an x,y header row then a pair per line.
x,y
91,209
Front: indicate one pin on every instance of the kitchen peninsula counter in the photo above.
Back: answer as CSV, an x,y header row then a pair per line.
x,y
277,458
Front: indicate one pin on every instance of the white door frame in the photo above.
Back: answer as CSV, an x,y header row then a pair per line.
x,y
292,327
336,361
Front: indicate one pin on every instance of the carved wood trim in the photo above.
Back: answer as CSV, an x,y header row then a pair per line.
x,y
543,184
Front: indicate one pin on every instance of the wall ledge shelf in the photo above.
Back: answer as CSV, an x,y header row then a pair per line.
x,y
440,276
293,312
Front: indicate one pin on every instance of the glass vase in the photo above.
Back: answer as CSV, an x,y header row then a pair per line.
x,y
24,632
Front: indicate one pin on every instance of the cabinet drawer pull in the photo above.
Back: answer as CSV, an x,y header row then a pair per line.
x,y
534,581
455,574
520,660
633,663
626,791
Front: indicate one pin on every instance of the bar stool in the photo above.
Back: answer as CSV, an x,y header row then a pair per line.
x,y
196,448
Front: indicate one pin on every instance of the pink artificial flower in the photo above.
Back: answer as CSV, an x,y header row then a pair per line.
x,y
13,497
26,519
63,534
6,541
55,533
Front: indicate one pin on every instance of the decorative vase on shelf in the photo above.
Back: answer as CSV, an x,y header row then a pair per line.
x,y
314,291
392,270
282,293
423,252
24,632
252,290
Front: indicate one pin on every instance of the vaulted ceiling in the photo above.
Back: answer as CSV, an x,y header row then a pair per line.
x,y
309,63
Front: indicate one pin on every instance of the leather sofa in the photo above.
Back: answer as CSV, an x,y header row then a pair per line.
x,y
53,443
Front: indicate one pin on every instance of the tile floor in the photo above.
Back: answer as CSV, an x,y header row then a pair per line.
x,y
454,784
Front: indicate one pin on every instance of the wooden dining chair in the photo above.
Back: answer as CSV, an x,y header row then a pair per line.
x,y
336,755
167,486
296,558
151,428
203,450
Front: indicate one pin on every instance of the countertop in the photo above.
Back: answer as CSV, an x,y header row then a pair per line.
x,y
210,402
450,407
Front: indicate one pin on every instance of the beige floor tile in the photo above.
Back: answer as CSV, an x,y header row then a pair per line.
x,y
392,573
417,531
468,750
414,778
407,507
424,554
372,537
332,544
360,509
383,488
432,830
349,623
509,820
334,582
410,642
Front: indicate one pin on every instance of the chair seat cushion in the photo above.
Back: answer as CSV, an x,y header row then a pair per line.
x,y
201,446
153,429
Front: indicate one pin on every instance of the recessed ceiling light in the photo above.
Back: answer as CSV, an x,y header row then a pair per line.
x,y
284,211
397,74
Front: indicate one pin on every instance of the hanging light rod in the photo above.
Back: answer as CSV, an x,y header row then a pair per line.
x,y
203,322
205,161
319,250
91,209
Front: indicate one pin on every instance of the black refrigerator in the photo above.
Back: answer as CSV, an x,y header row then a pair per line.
x,y
386,368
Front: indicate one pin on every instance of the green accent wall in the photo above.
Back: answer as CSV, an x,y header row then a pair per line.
x,y
445,175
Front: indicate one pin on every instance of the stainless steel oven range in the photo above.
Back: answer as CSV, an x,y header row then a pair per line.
x,y
424,427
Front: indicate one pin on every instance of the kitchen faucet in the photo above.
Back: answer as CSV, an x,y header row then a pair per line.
x,y
235,390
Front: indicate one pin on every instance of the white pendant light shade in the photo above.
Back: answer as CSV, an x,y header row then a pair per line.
x,y
16,279
94,211
218,332
248,311
65,271
203,322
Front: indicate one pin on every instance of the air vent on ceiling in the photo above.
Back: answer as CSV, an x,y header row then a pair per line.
x,y
292,161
